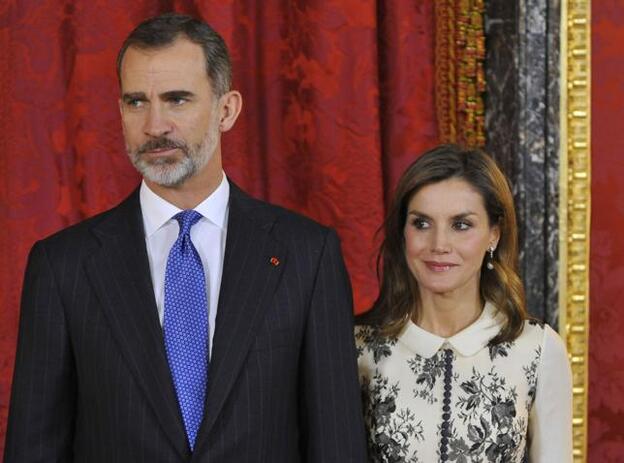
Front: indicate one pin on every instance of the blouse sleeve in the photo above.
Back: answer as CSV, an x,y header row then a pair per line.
x,y
550,421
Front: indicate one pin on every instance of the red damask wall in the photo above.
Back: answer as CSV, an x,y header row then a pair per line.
x,y
606,362
338,100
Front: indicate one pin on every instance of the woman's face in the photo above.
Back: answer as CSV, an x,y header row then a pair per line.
x,y
447,234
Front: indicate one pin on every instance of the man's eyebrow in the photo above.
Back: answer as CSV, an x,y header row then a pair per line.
x,y
173,94
126,97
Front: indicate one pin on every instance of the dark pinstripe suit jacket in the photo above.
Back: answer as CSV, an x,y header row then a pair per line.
x,y
92,382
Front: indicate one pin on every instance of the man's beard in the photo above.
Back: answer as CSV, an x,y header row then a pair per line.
x,y
169,172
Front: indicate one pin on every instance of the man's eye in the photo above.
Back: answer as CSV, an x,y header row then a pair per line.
x,y
135,103
178,100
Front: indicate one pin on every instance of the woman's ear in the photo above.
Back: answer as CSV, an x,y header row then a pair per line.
x,y
494,236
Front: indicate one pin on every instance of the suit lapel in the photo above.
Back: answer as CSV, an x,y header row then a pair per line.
x,y
120,274
252,268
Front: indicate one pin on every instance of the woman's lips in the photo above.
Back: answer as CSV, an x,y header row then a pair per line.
x,y
439,266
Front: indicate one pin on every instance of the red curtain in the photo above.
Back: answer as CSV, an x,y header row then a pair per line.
x,y
606,346
338,99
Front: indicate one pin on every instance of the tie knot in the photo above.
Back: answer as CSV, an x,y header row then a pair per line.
x,y
186,219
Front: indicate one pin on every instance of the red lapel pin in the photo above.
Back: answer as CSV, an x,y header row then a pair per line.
x,y
274,261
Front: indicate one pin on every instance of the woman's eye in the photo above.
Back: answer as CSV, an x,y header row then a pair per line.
x,y
461,225
420,224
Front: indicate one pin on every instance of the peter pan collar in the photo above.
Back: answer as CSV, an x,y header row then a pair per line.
x,y
466,343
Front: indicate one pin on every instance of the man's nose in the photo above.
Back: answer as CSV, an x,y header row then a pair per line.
x,y
156,123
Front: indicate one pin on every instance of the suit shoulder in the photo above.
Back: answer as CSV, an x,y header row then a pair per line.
x,y
299,222
285,223
301,232
73,234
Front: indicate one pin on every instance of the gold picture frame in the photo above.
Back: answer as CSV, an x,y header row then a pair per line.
x,y
574,205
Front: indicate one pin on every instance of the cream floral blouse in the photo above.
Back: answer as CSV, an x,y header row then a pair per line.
x,y
430,399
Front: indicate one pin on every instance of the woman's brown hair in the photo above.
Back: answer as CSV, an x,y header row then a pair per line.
x,y
398,299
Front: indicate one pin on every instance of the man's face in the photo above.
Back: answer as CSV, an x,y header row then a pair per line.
x,y
169,113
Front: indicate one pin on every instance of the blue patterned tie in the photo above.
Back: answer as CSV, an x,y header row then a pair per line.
x,y
186,324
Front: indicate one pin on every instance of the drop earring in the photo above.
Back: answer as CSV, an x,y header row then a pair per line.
x,y
490,262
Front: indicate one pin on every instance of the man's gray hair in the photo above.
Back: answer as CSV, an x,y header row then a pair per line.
x,y
163,30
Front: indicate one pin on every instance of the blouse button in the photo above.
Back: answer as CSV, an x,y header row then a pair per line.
x,y
446,415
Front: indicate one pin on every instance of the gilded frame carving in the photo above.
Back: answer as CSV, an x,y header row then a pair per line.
x,y
574,204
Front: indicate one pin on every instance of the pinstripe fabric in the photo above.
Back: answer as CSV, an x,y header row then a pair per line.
x,y
91,380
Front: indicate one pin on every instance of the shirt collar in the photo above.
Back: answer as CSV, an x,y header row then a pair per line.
x,y
157,212
467,342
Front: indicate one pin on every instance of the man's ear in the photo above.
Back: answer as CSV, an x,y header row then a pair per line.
x,y
231,104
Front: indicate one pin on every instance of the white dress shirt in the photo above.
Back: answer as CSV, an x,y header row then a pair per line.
x,y
506,401
208,236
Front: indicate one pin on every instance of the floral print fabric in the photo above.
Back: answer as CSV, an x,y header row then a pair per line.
x,y
492,391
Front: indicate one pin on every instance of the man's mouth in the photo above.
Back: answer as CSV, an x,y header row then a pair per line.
x,y
161,151
160,147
